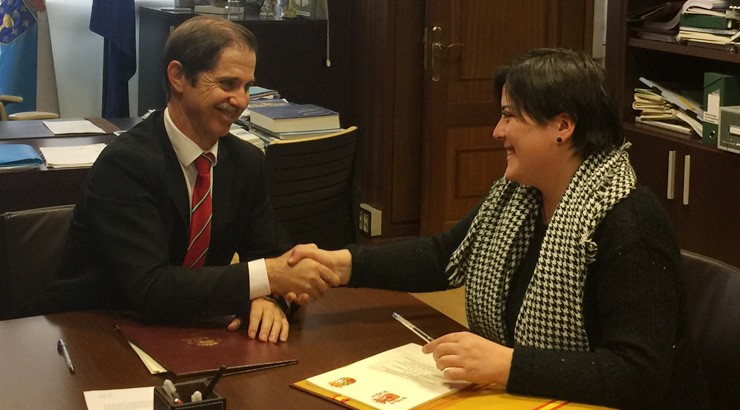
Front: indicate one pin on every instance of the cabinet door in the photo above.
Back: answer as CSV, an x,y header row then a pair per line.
x,y
655,163
710,219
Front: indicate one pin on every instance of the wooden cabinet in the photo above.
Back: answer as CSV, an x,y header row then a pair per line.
x,y
698,185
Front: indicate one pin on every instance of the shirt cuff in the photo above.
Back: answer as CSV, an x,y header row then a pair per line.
x,y
259,284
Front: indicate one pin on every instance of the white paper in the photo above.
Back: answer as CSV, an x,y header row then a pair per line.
x,y
137,398
399,379
72,156
152,365
73,127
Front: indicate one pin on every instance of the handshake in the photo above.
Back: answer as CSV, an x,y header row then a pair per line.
x,y
306,272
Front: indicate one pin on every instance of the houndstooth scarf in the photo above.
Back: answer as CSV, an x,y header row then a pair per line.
x,y
551,316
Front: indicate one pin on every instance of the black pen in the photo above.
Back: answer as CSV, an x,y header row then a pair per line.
x,y
62,349
214,380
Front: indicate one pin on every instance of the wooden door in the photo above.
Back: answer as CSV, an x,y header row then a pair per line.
x,y
460,158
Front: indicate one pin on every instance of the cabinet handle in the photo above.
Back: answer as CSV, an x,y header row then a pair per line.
x,y
670,192
686,178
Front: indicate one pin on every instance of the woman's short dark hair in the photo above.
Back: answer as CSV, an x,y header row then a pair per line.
x,y
198,42
546,82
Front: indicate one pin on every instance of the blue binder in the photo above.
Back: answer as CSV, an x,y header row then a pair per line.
x,y
19,156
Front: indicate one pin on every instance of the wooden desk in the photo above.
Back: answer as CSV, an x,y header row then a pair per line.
x,y
345,326
46,187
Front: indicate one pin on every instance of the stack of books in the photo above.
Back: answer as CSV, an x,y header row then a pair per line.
x,y
711,27
292,121
664,108
658,22
694,22
257,93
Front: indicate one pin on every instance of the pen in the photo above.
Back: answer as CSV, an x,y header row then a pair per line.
x,y
412,327
62,349
171,391
214,380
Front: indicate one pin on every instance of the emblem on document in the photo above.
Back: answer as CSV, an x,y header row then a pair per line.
x,y
342,381
386,397
201,341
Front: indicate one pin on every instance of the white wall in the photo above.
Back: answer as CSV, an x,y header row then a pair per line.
x,y
78,57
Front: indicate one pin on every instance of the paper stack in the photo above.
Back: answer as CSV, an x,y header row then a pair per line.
x,y
661,107
71,156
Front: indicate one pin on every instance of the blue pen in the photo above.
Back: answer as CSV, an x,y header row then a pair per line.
x,y
62,349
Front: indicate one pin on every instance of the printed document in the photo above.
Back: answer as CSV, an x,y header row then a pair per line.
x,y
60,127
400,378
137,398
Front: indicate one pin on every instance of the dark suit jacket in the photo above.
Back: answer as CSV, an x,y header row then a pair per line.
x,y
130,229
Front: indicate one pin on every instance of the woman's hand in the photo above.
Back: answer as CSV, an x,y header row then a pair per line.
x,y
469,357
265,317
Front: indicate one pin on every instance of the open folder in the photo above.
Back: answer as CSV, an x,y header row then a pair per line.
x,y
204,347
405,378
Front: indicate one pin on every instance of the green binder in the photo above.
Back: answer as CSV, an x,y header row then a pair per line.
x,y
707,21
719,90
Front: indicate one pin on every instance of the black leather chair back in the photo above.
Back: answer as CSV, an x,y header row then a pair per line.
x,y
311,184
713,313
31,245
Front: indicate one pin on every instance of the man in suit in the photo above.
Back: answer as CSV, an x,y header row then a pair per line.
x,y
131,228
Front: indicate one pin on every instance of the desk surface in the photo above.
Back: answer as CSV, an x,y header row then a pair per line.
x,y
12,131
35,188
345,326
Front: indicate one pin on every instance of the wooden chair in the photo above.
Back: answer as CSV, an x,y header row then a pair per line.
x,y
713,319
311,183
31,245
26,115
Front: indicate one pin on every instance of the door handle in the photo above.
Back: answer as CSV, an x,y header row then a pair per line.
x,y
437,48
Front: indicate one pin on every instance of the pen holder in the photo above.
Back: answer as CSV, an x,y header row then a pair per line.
x,y
185,390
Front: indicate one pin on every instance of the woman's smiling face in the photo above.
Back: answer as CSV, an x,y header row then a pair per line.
x,y
529,146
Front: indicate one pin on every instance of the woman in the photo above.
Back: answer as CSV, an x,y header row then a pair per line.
x,y
570,269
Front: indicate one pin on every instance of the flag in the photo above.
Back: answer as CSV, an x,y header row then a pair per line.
x,y
22,43
115,21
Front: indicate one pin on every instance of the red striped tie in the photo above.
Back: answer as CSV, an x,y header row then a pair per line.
x,y
200,214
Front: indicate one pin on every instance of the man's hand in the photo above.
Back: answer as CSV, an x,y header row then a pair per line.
x,y
469,357
306,277
340,262
265,317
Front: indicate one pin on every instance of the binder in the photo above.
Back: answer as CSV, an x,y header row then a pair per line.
x,y
706,21
19,156
719,90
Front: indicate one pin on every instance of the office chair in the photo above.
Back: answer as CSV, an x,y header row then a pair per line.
x,y
311,183
26,115
31,245
713,319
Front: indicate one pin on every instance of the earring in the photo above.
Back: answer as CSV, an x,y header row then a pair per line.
x,y
559,140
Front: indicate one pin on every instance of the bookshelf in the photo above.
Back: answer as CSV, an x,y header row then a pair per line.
x,y
697,184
